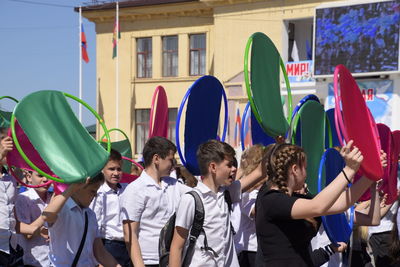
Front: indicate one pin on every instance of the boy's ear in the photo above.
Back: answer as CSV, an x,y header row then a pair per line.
x,y
28,176
155,159
212,167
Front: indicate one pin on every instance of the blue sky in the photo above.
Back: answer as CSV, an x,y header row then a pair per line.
x,y
39,50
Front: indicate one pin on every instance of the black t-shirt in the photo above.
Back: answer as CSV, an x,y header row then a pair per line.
x,y
282,240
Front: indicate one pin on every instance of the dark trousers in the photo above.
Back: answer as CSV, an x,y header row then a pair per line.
x,y
247,258
14,259
380,244
151,265
118,250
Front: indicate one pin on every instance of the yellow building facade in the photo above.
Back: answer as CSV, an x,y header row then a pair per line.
x,y
224,27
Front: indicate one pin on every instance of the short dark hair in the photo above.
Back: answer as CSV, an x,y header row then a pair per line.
x,y
99,178
115,155
157,145
213,151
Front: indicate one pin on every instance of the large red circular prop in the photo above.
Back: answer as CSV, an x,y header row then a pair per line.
x,y
359,124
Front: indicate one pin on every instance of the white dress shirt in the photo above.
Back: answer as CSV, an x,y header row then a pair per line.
x,y
28,207
66,235
216,225
8,192
246,237
106,206
152,205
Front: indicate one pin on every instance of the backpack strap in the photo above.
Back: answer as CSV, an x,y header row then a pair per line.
x,y
228,200
78,253
197,229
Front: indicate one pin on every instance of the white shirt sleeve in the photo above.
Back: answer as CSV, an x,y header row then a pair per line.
x,y
235,190
132,204
248,203
97,207
185,212
22,209
183,189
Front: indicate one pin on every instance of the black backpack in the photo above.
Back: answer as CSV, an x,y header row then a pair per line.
x,y
167,233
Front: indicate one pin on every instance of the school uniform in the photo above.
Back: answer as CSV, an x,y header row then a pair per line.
x,y
106,206
217,225
152,205
28,207
66,235
245,237
8,192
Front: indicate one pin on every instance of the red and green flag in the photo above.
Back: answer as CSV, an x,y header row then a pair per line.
x,y
114,41
85,56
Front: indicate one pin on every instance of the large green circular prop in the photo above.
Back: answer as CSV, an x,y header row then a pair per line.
x,y
312,126
263,87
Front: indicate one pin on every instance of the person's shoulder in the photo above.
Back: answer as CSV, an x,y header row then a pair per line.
x,y
135,185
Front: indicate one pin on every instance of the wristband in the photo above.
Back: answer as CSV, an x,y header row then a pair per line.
x,y
329,250
345,176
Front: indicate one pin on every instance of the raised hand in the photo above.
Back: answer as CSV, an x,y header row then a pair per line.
x,y
6,145
352,157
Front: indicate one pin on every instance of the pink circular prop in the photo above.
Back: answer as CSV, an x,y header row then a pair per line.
x,y
389,185
159,111
14,159
126,177
358,124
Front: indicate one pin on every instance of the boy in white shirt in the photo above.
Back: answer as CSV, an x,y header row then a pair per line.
x,y
67,216
28,209
107,209
8,192
215,161
149,201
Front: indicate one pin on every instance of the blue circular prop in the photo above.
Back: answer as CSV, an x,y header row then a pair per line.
x,y
258,135
202,118
337,227
301,103
294,113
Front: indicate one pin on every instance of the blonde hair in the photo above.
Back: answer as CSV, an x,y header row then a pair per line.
x,y
249,161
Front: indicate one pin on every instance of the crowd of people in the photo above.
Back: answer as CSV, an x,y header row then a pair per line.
x,y
255,213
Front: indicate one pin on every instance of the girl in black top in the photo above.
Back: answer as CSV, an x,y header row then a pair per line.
x,y
284,221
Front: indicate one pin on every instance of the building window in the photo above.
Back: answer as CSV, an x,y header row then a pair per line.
x,y
142,117
144,57
170,56
172,114
142,127
197,54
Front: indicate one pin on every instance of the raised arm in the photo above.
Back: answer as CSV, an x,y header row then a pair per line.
x,y
321,203
252,178
370,216
50,213
353,194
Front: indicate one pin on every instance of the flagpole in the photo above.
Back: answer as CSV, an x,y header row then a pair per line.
x,y
80,63
117,70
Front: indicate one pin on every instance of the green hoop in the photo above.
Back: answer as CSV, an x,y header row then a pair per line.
x,y
113,130
9,97
248,86
31,164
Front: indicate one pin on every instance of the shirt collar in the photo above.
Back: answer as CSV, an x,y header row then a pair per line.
x,y
107,189
149,181
71,204
204,189
35,196
32,193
